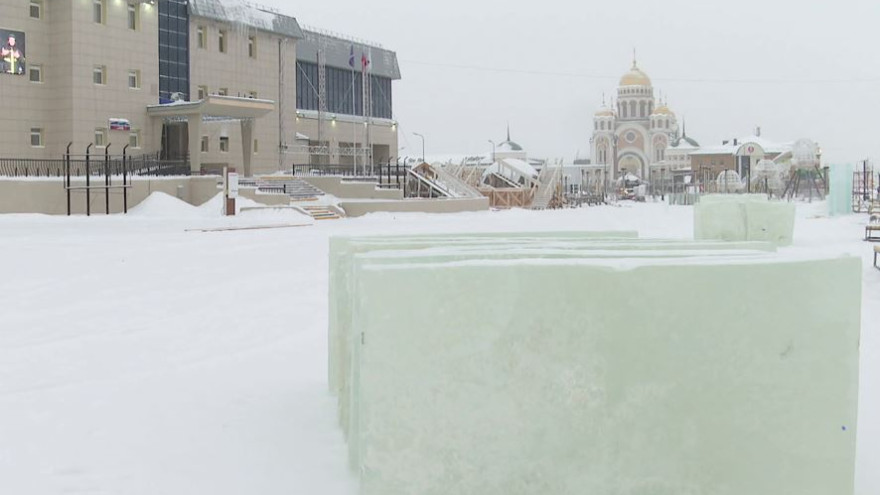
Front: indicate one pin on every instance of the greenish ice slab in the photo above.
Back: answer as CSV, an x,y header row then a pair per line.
x,y
342,247
840,200
706,375
745,217
623,251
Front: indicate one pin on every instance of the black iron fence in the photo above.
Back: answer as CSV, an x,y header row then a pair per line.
x,y
80,165
387,175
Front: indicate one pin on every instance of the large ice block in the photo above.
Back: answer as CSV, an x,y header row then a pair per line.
x,y
744,217
596,249
770,221
342,248
698,375
840,198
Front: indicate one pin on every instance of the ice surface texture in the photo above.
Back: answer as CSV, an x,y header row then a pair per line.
x,y
735,217
525,377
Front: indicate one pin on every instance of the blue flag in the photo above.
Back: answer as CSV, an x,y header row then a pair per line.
x,y
351,57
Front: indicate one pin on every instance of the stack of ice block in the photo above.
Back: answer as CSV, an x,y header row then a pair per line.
x,y
743,217
565,363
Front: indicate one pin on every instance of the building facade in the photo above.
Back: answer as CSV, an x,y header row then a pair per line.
x,y
189,79
632,134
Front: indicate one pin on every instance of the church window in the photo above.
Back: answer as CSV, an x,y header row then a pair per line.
x,y
643,107
623,112
632,109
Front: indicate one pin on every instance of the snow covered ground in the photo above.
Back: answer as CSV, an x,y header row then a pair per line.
x,y
139,358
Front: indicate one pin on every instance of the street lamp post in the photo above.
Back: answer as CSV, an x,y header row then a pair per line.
x,y
423,145
493,151
614,139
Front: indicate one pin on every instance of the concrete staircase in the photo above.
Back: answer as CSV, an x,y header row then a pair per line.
x,y
321,212
549,180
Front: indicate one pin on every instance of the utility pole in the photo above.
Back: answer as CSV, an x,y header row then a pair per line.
x,y
423,145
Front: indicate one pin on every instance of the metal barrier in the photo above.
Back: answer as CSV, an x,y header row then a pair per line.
x,y
143,165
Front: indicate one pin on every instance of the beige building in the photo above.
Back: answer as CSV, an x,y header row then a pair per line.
x,y
215,82
85,63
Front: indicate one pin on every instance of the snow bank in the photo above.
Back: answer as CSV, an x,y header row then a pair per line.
x,y
214,206
162,205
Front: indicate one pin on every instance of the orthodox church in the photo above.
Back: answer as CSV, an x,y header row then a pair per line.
x,y
633,134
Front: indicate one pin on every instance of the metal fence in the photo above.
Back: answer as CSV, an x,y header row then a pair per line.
x,y
80,165
386,175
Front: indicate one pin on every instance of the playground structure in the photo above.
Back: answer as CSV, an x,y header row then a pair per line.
x,y
864,188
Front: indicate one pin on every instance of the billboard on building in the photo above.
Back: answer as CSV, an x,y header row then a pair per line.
x,y
12,52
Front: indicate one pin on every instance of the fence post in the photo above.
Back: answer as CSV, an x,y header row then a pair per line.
x,y
107,179
88,181
67,175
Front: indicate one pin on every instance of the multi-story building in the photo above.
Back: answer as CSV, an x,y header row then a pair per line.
x,y
217,82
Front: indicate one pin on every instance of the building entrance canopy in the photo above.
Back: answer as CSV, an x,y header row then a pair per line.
x,y
214,108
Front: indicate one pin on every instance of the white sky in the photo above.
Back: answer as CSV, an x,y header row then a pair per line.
x,y
797,69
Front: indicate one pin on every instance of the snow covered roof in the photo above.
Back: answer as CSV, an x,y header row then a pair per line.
x,y
240,11
730,148
685,143
515,165
338,51
509,146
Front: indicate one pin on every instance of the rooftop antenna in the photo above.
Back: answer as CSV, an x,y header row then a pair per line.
x,y
508,132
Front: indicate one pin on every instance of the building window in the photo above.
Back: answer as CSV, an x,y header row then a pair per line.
x,y
204,147
133,16
36,9
202,92
201,37
175,33
134,79
36,73
100,137
223,91
256,147
221,41
99,74
98,9
36,137
252,46
134,139
224,144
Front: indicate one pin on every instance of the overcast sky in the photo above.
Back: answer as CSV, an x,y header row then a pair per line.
x,y
797,69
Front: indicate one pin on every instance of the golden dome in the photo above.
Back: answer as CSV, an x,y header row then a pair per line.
x,y
662,110
635,77
605,112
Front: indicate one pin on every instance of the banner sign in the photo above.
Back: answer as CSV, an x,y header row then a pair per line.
x,y
12,52
120,125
